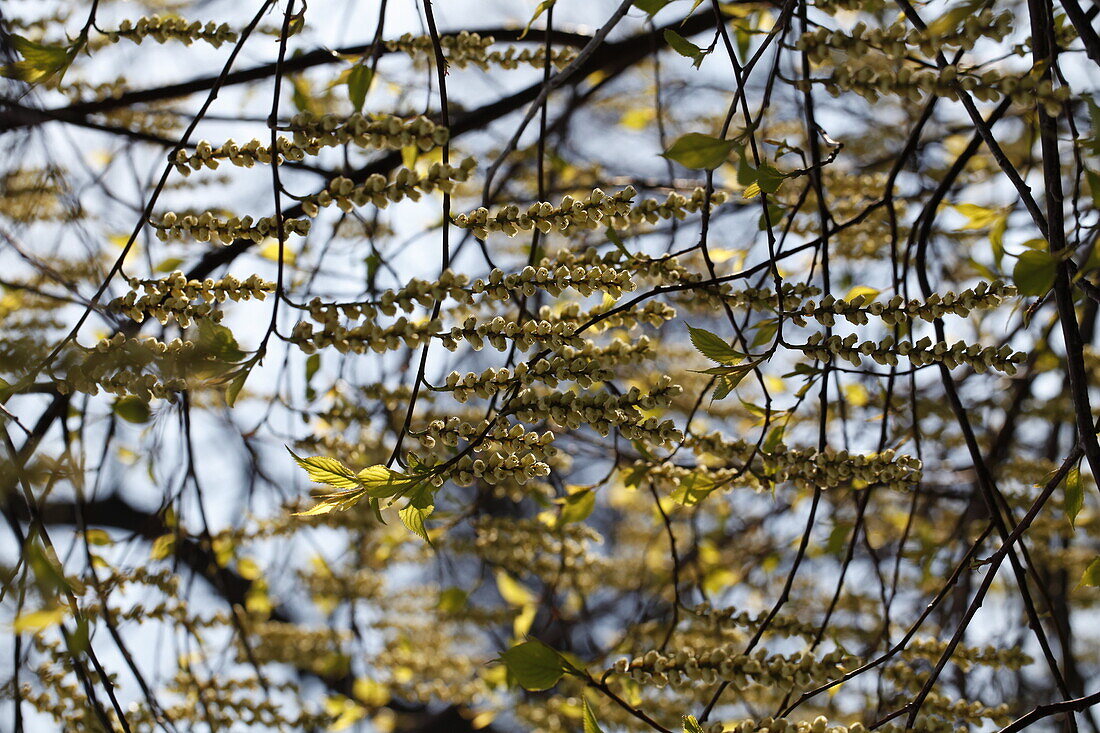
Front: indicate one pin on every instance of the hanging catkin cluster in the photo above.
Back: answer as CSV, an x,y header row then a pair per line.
x,y
629,381
168,28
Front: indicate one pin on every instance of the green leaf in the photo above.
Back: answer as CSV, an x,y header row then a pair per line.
x,y
413,518
39,61
775,437
714,347
1074,495
336,502
1034,272
512,591
698,151
359,80
765,332
997,238
219,342
328,471
729,382
1094,186
534,665
132,409
650,6
577,507
452,599
313,363
37,621
615,239
542,8
591,725
691,725
381,482
236,382
684,47
694,487
953,16
1091,576
776,212
769,178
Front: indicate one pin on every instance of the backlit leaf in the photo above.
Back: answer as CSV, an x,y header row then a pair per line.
x,y
700,152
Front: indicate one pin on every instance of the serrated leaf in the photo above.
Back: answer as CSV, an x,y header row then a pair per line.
x,y
413,518
591,725
698,151
714,347
381,482
328,471
337,502
534,665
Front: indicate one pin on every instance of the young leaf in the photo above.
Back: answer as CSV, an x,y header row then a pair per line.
x,y
512,591
413,518
713,347
132,409
1034,272
452,599
1094,186
698,151
359,80
650,6
1074,495
684,47
236,384
591,725
338,502
36,621
691,725
381,482
1091,576
39,61
728,382
542,8
615,239
577,507
534,665
953,16
329,471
